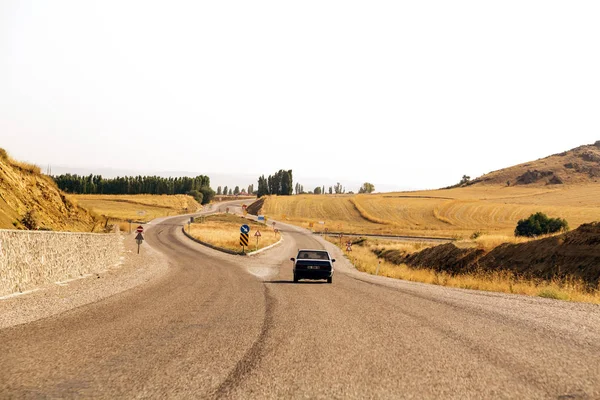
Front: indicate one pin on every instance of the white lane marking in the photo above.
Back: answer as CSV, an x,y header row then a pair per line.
x,y
266,248
263,272
64,283
9,296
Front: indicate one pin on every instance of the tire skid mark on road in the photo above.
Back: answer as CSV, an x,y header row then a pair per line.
x,y
483,350
252,358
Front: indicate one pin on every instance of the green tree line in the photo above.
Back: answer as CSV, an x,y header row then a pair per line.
x,y
280,183
96,184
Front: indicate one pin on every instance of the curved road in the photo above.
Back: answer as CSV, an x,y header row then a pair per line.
x,y
221,326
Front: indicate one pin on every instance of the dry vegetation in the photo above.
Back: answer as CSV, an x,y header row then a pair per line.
x,y
223,230
23,190
139,208
481,215
452,213
580,165
365,260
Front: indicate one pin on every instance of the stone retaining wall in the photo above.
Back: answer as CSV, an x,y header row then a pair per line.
x,y
33,258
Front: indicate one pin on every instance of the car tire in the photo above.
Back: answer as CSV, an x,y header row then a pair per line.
x,y
295,278
330,279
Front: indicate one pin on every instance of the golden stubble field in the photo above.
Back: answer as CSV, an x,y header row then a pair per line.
x,y
140,208
223,230
452,213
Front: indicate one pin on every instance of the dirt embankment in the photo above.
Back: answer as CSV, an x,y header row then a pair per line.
x,y
256,207
24,191
575,254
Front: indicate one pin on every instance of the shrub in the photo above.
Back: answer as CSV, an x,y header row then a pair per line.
x,y
29,221
198,196
540,224
207,194
476,234
3,154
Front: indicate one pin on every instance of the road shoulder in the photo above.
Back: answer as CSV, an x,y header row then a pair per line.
x,y
54,299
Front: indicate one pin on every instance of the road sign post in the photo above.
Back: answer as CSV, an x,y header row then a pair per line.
x,y
244,229
243,241
257,235
139,239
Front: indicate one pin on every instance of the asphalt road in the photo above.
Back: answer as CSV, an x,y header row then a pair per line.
x,y
222,326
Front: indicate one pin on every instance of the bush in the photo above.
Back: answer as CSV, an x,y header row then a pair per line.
x,y
207,194
540,224
476,234
29,221
198,196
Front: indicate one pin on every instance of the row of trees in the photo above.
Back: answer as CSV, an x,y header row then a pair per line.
x,y
233,192
337,189
198,186
280,183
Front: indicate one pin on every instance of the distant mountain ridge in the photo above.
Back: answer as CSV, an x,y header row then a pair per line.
x,y
576,166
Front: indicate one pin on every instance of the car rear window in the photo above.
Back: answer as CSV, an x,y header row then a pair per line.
x,y
313,255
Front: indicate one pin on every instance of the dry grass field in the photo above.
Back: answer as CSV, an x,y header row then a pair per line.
x,y
139,208
502,281
223,230
452,213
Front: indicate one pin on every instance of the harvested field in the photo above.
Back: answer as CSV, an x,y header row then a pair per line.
x,y
452,213
140,208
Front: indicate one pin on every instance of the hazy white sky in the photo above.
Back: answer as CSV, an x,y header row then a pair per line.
x,y
408,93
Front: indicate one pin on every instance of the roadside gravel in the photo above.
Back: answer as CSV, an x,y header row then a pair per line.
x,y
54,298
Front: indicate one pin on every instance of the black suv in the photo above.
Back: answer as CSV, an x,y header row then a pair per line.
x,y
313,264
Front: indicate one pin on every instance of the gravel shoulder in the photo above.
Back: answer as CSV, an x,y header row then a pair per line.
x,y
53,299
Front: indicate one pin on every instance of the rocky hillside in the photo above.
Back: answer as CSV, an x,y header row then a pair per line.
x,y
576,166
31,200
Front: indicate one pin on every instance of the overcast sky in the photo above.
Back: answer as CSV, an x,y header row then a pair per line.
x,y
412,94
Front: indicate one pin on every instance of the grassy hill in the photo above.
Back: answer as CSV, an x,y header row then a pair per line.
x,y
25,191
577,166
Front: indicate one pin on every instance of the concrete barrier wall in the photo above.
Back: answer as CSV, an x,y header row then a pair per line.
x,y
33,258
